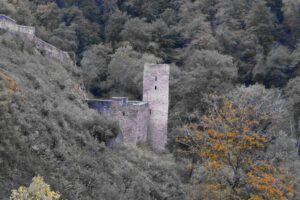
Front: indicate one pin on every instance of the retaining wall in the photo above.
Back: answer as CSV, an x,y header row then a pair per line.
x,y
10,25
47,49
52,51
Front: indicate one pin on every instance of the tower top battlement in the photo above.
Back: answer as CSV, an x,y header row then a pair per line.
x,y
159,69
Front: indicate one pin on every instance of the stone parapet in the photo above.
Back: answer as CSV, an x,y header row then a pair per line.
x,y
10,25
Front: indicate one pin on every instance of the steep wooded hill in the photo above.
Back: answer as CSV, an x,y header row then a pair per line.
x,y
47,130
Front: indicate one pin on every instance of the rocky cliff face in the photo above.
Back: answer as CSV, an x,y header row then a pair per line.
x,y
46,129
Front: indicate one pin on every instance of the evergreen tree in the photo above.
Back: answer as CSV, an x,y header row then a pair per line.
x,y
292,19
260,22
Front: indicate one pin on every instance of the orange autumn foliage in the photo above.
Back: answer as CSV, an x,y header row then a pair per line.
x,y
12,86
270,181
230,145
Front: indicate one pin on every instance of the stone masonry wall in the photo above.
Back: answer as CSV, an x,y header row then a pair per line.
x,y
52,51
142,119
133,118
156,93
48,50
10,25
133,123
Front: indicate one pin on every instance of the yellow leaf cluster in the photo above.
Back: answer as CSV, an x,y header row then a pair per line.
x,y
38,190
256,197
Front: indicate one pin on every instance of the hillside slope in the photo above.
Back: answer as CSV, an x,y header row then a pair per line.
x,y
46,129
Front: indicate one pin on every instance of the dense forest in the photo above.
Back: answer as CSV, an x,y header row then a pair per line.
x,y
234,118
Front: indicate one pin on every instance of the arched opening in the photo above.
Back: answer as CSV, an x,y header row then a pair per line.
x,y
155,87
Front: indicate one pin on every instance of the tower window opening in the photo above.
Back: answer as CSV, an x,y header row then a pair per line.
x,y
155,88
150,111
155,78
124,113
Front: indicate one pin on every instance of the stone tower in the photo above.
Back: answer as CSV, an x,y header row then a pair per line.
x,y
156,93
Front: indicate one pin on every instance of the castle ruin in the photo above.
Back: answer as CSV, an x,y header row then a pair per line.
x,y
142,121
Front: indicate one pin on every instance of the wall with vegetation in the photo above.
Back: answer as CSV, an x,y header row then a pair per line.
x,y
47,49
133,118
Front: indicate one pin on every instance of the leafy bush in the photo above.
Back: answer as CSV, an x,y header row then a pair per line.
x,y
38,189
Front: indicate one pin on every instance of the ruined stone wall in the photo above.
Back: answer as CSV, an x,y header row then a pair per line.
x,y
133,118
127,119
156,93
47,49
9,24
142,119
52,51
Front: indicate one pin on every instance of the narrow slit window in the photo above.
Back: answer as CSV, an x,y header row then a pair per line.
x,y
124,113
155,87
155,78
150,111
